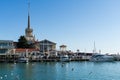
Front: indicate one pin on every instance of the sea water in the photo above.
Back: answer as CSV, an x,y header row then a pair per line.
x,y
60,71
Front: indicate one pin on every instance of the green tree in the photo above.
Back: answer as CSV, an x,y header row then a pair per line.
x,y
22,42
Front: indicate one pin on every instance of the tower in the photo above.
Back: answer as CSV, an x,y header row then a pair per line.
x,y
29,31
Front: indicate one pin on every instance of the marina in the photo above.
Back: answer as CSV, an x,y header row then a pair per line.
x,y
60,71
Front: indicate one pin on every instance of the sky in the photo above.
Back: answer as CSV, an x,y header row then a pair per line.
x,y
75,23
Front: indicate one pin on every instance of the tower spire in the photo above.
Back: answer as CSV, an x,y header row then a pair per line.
x,y
28,31
28,14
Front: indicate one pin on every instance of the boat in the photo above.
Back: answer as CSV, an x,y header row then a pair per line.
x,y
65,58
101,58
23,60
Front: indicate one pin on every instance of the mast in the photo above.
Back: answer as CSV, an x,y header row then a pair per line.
x,y
94,50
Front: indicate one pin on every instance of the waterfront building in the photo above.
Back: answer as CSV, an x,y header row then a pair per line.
x,y
63,48
46,46
84,56
6,46
29,53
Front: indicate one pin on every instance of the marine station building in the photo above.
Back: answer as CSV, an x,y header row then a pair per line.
x,y
40,48
43,46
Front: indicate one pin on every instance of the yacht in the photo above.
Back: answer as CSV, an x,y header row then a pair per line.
x,y
101,57
65,58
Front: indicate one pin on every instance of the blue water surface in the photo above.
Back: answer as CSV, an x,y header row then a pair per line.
x,y
60,71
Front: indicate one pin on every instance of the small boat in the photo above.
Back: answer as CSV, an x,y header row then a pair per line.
x,y
65,58
101,57
23,59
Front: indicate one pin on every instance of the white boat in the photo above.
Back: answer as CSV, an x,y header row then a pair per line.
x,y
101,57
65,58
23,59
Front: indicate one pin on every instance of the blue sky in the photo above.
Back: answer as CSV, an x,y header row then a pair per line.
x,y
76,23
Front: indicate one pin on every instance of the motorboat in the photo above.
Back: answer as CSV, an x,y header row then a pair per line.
x,y
23,59
65,58
101,57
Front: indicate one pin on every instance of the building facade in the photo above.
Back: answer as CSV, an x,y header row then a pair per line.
x,y
5,46
46,46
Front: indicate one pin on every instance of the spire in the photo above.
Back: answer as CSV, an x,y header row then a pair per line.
x,y
29,15
28,31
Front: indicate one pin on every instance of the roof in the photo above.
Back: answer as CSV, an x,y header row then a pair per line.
x,y
63,46
82,53
45,41
25,50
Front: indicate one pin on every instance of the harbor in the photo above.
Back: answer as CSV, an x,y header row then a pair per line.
x,y
29,49
59,40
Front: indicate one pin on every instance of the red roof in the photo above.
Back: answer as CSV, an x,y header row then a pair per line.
x,y
24,50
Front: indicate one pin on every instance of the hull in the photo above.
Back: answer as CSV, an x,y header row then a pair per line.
x,y
101,58
65,58
23,60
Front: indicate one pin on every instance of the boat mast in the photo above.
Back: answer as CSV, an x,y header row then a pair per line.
x,y
94,50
